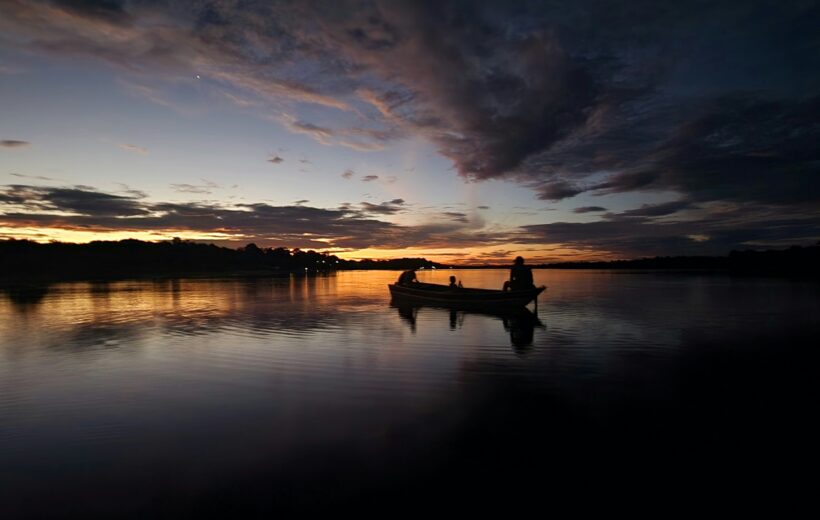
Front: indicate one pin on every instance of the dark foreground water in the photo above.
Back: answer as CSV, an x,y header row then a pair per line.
x,y
244,398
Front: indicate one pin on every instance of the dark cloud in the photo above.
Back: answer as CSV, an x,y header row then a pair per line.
x,y
13,143
370,178
292,226
91,203
491,86
81,200
276,159
635,236
348,174
624,234
483,207
588,209
557,190
109,10
554,98
385,208
656,210
295,226
739,148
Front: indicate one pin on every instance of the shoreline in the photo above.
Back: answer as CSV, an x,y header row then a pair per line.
x,y
16,282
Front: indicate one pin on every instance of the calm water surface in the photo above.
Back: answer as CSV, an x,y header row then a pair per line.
x,y
251,397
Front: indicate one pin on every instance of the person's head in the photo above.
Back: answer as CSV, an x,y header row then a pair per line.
x,y
452,279
519,260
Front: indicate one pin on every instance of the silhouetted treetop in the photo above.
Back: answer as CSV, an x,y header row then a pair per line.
x,y
24,258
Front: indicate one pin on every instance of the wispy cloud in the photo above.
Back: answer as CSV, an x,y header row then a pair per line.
x,y
385,208
370,178
137,194
133,148
275,159
205,188
251,80
36,177
456,215
360,139
166,46
589,209
153,94
14,143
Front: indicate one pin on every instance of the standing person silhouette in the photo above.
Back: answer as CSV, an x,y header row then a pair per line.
x,y
520,276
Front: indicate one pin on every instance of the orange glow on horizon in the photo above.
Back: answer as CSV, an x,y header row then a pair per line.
x,y
486,255
479,255
81,236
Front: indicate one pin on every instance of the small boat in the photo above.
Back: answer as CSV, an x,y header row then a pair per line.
x,y
463,297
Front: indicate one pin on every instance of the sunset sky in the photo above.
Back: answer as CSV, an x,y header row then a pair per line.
x,y
458,131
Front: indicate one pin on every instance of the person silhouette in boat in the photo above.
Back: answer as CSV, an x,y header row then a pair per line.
x,y
520,276
453,284
407,278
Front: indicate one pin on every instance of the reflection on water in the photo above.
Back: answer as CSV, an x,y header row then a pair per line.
x,y
520,323
251,397
26,297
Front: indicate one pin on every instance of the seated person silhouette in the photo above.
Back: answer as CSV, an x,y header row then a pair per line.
x,y
520,276
453,284
407,278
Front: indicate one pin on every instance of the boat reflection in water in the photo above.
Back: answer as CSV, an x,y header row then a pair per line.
x,y
520,322
25,296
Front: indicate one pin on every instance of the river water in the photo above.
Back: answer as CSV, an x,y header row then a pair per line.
x,y
250,397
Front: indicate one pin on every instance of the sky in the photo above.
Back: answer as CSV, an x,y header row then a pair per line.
x,y
466,132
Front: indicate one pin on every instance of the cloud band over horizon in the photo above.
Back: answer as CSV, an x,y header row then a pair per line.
x,y
353,227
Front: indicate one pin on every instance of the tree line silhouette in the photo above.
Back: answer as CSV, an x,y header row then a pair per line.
x,y
796,260
25,259
100,259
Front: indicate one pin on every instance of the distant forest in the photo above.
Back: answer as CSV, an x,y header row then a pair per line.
x,y
24,260
794,260
126,258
